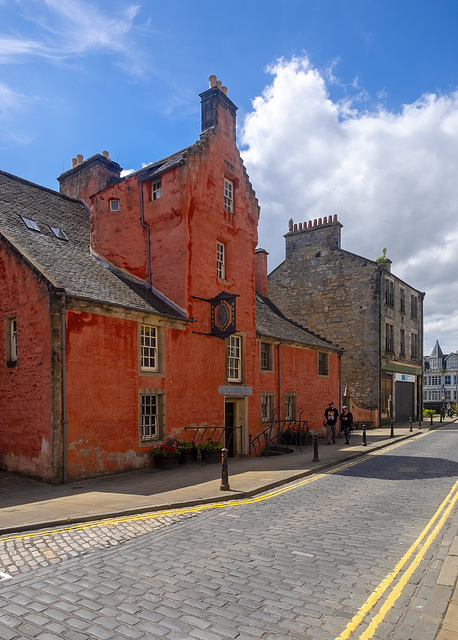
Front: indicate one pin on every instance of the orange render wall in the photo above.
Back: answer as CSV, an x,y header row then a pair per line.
x,y
299,373
25,401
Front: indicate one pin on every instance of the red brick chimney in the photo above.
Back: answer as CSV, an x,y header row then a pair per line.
x,y
260,271
217,110
90,176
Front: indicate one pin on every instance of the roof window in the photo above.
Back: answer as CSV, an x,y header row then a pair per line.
x,y
59,233
30,224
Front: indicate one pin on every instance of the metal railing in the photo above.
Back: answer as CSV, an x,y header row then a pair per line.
x,y
208,433
281,433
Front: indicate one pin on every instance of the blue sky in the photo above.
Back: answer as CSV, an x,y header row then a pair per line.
x,y
345,106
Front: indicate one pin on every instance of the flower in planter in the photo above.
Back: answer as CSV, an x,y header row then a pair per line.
x,y
185,445
209,445
165,450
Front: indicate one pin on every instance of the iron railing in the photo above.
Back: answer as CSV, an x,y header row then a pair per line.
x,y
281,433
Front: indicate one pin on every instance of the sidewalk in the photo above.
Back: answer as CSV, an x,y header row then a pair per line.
x,y
27,504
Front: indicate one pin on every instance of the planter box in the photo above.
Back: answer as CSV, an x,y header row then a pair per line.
x,y
165,462
187,457
211,456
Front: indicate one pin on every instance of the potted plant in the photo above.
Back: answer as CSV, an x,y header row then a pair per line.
x,y
165,456
210,450
186,451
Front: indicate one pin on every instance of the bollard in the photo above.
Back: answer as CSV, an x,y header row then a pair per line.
x,y
392,429
410,424
364,436
315,448
431,423
224,471
419,423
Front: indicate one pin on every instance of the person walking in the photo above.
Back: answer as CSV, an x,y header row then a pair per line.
x,y
346,423
331,416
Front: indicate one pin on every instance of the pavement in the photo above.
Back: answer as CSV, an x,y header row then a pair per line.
x,y
27,504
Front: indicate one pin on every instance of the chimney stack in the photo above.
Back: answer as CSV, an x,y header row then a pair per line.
x,y
90,176
260,272
217,110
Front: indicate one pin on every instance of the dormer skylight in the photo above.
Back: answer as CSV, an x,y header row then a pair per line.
x,y
59,233
30,224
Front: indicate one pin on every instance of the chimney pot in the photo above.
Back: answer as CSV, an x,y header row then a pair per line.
x,y
212,81
335,217
219,84
79,158
74,162
314,222
300,226
320,222
106,155
295,227
325,220
290,224
310,224
224,90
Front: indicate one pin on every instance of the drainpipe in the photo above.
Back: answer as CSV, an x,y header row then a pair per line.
x,y
278,387
63,348
380,347
145,226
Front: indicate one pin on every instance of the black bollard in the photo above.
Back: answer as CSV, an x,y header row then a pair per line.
x,y
410,424
224,471
431,423
315,448
364,436
392,429
419,423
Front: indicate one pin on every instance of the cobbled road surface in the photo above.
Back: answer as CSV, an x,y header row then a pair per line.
x,y
354,552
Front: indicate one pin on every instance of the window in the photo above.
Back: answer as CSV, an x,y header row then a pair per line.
x,y
220,260
402,348
151,414
30,224
228,196
402,300
59,233
148,348
323,364
234,359
389,293
267,406
114,205
290,406
266,356
414,346
156,189
389,337
447,379
413,307
434,381
11,340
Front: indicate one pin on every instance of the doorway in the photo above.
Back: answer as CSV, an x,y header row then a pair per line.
x,y
229,427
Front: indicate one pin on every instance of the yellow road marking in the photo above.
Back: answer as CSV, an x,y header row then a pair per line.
x,y
388,580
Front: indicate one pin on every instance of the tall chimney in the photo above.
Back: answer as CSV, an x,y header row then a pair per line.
x,y
90,176
217,109
260,272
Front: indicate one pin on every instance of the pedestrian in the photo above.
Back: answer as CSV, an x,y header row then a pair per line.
x,y
331,416
449,409
346,423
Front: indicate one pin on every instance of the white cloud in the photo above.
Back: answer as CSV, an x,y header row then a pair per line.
x,y
390,177
11,104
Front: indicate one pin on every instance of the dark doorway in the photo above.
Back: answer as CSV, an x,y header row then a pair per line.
x,y
405,407
229,424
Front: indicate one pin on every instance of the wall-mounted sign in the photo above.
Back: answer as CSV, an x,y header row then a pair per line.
x,y
223,315
404,377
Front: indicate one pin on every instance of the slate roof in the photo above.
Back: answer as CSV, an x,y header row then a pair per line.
x,y
68,265
272,323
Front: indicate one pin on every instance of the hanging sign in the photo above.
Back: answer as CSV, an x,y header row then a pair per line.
x,y
223,315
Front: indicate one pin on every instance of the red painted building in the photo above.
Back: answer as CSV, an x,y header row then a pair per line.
x,y
135,307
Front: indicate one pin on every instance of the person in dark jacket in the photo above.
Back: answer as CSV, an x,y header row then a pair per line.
x,y
346,423
331,416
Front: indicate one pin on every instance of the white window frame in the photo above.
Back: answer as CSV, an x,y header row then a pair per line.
x,y
11,339
267,405
228,195
114,205
151,415
149,342
266,356
234,358
290,405
156,189
220,260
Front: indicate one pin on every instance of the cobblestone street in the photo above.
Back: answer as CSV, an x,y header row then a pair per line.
x,y
354,552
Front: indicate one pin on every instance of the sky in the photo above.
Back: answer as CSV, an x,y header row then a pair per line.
x,y
346,107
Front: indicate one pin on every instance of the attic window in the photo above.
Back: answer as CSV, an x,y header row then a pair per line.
x,y
156,189
30,224
114,205
59,233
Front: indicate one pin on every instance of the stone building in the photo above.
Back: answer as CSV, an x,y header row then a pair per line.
x,y
129,313
363,308
440,378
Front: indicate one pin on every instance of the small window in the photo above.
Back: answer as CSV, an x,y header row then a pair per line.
x,y
323,364
156,189
228,196
290,406
114,205
11,340
402,348
151,415
149,355
267,406
414,346
220,260
30,224
59,233
402,305
389,293
413,306
234,359
266,356
389,338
